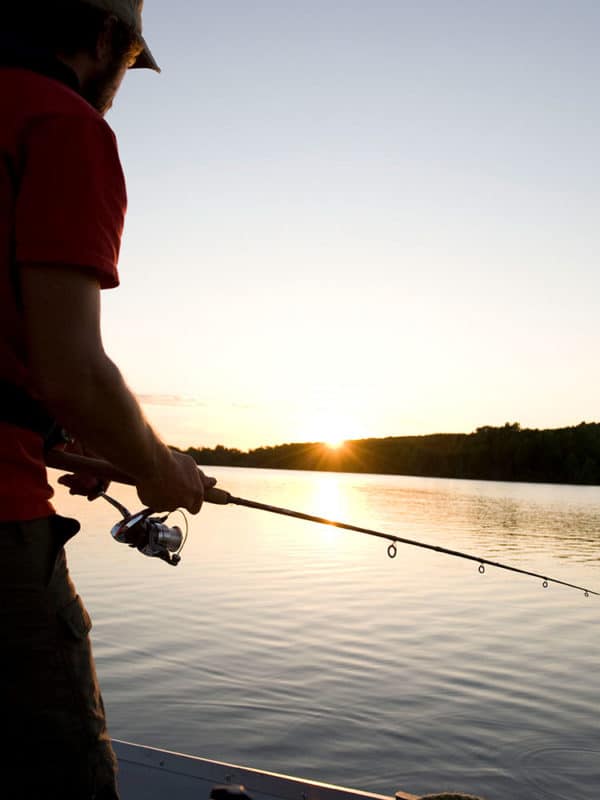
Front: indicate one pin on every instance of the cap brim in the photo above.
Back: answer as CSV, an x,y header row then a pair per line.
x,y
145,60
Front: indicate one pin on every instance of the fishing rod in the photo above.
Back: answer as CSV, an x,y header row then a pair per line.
x,y
153,538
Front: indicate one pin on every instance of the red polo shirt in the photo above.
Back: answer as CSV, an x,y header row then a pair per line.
x,y
62,201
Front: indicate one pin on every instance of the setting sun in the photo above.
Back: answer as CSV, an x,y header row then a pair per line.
x,y
334,444
331,427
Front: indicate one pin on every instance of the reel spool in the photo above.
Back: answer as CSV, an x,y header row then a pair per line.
x,y
148,534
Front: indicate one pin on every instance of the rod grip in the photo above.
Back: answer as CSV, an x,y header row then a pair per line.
x,y
71,462
218,496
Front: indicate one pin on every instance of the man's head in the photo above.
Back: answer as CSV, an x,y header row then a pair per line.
x,y
98,39
129,14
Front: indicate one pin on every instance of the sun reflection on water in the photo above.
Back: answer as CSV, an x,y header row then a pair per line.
x,y
328,499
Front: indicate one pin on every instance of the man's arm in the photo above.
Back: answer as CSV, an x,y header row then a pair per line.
x,y
86,393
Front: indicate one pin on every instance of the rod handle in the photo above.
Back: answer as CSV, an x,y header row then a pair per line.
x,y
217,496
71,462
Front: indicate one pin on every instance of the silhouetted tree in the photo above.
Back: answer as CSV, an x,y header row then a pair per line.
x,y
507,453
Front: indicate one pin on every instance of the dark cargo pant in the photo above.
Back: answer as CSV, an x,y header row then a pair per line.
x,y
53,731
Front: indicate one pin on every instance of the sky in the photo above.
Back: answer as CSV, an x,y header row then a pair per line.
x,y
362,218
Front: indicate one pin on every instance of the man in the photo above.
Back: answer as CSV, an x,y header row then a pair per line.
x,y
62,204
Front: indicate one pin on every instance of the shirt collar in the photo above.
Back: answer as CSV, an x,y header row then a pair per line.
x,y
14,53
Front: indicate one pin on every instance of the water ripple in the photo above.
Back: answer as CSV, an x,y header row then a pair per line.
x,y
303,649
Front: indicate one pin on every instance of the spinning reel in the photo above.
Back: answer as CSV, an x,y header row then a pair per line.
x,y
148,534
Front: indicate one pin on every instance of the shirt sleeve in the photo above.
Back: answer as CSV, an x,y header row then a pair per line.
x,y
72,198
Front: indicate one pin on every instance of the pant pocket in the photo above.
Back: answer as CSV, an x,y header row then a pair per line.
x,y
74,627
75,619
99,760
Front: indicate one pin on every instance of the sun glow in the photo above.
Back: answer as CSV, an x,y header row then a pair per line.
x,y
333,432
334,444
331,425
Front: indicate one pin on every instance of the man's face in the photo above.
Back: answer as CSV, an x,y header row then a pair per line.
x,y
102,82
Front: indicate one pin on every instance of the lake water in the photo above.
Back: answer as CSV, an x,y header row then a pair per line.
x,y
298,648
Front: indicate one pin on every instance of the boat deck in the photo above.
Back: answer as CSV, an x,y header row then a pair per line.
x,y
146,773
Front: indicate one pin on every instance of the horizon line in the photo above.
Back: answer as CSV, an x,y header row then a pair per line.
x,y
515,426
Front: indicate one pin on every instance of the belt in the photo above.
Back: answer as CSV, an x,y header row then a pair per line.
x,y
19,408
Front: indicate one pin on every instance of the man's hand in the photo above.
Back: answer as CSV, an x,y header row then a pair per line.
x,y
85,484
177,483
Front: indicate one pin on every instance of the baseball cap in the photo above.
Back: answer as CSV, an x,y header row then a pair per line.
x,y
129,12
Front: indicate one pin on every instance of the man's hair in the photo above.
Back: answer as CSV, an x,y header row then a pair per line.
x,y
65,27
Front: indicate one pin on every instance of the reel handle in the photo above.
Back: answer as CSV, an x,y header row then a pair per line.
x,y
70,462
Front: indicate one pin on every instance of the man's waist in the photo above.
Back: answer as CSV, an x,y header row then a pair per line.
x,y
19,408
24,489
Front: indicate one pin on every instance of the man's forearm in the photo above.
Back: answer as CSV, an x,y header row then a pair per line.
x,y
98,408
86,393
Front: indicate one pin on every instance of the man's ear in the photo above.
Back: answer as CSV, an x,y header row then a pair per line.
x,y
105,39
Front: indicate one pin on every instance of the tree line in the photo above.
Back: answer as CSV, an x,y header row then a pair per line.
x,y
506,453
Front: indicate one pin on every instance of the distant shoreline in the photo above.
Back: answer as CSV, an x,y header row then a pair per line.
x,y
509,453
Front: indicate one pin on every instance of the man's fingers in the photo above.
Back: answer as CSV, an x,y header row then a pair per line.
x,y
195,508
195,503
206,480
83,484
100,487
